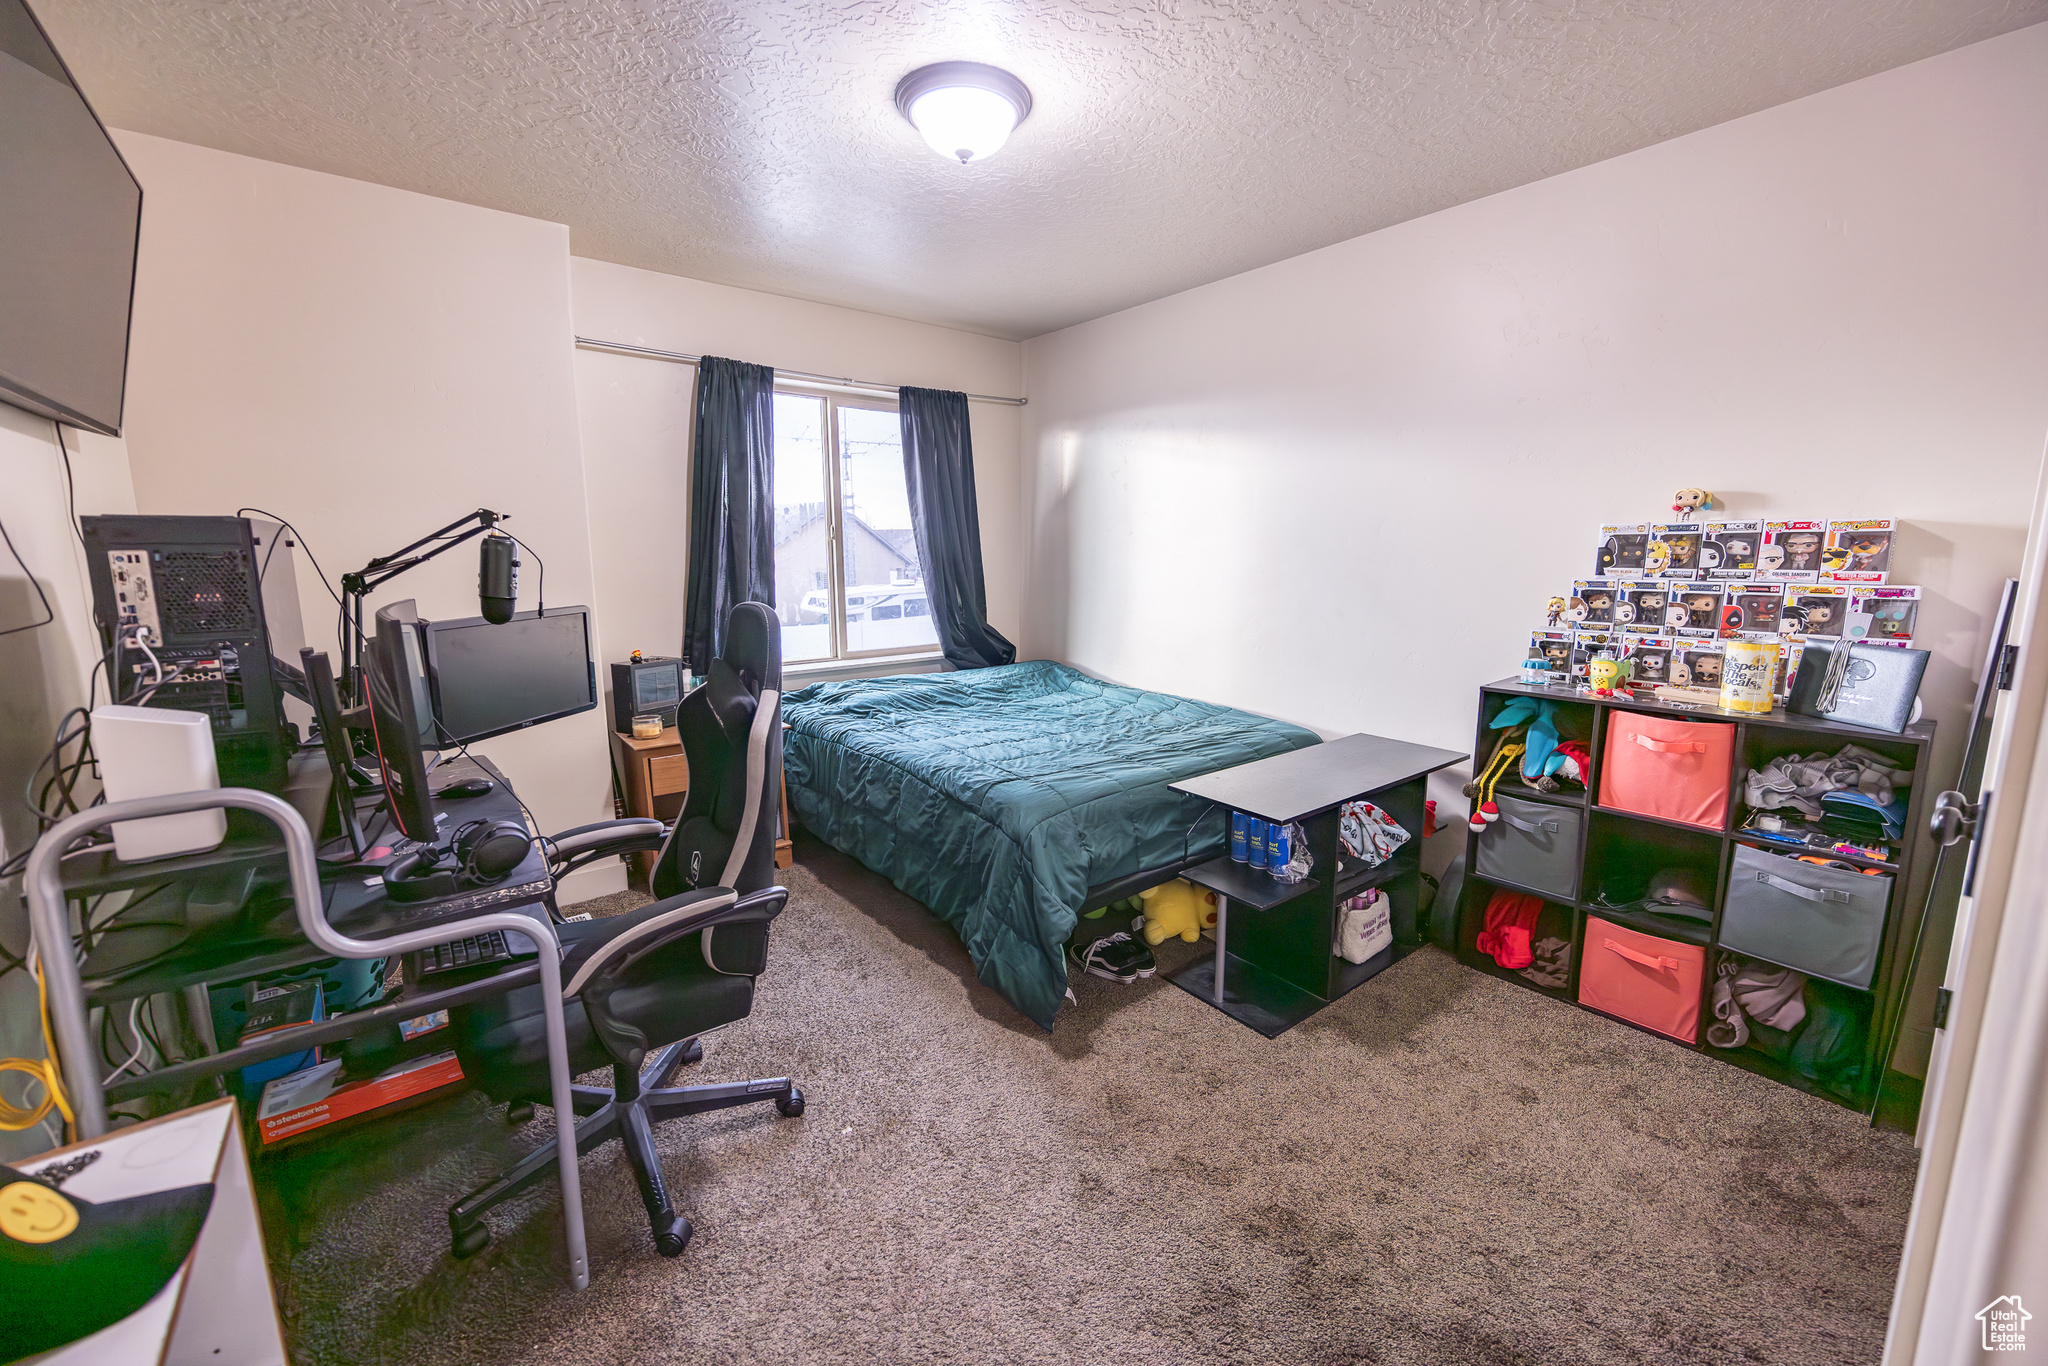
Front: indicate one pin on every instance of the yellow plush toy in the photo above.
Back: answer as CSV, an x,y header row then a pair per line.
x,y
1177,907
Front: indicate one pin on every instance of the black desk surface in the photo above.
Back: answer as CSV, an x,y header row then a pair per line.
x,y
263,936
1302,782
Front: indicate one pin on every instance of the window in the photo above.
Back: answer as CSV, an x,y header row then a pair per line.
x,y
847,578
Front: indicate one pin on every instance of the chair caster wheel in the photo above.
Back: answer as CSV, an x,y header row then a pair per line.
x,y
792,1104
694,1051
465,1243
671,1241
518,1112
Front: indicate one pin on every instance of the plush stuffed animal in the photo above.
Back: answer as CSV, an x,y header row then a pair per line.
x,y
1177,907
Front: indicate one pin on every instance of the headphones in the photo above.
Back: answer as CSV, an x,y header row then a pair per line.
x,y
484,852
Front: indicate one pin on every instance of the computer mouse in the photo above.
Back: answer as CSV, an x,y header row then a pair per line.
x,y
468,787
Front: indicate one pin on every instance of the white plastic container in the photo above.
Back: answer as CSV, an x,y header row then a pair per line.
x,y
156,752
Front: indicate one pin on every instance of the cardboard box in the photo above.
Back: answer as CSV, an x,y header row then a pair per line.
x,y
283,1006
1620,552
1791,551
1642,606
1673,551
1729,550
1592,604
1814,609
1883,615
1858,552
312,1099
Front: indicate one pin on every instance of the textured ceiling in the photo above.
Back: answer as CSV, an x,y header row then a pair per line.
x,y
1174,142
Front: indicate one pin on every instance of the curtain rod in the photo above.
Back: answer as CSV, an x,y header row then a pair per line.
x,y
593,344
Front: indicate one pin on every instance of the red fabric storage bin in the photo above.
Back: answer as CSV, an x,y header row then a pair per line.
x,y
1676,770
1654,982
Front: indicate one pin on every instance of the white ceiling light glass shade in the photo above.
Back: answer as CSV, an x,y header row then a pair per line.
x,y
965,110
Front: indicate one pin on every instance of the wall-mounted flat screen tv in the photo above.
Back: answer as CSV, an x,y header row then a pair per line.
x,y
70,212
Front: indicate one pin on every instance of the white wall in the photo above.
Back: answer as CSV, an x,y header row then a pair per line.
x,y
638,414
1338,489
371,364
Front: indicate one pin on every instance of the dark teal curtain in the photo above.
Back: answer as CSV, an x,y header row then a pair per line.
x,y
732,502
938,468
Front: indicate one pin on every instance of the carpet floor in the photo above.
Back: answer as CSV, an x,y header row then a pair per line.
x,y
1440,1168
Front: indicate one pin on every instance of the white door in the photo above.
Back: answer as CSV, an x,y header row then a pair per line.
x,y
1975,1263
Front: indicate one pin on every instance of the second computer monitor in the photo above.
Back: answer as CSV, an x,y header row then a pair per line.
x,y
488,679
397,724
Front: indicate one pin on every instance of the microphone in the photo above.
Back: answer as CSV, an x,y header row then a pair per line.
x,y
497,579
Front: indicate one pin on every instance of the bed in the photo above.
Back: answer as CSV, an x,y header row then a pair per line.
x,y
1009,800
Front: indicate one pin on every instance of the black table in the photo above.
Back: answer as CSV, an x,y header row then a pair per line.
x,y
260,936
1280,969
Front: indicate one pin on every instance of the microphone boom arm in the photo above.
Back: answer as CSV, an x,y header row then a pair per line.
x,y
355,587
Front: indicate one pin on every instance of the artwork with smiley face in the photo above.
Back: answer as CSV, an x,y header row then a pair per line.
x,y
1592,603
1858,552
1728,550
1820,609
1641,607
1680,556
1791,551
1620,550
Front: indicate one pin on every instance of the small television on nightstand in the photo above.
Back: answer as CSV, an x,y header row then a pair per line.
x,y
646,685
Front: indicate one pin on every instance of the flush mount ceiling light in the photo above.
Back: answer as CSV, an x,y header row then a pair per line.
x,y
965,110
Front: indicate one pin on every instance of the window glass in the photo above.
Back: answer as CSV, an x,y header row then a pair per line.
x,y
803,538
879,550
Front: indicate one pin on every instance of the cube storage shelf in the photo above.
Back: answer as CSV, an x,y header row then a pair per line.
x,y
1594,846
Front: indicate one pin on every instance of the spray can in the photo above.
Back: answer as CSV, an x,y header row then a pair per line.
x,y
1238,852
1279,850
1255,841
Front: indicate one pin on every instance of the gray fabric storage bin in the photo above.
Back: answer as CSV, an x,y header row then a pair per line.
x,y
1827,922
1534,845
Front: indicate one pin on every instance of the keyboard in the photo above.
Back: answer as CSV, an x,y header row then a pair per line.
x,y
474,951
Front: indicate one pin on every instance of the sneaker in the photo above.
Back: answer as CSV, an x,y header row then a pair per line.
x,y
1118,957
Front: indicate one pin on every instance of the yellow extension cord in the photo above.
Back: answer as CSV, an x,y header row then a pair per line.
x,y
44,1070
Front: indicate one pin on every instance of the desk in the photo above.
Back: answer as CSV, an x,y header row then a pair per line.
x,y
347,917
1278,970
260,936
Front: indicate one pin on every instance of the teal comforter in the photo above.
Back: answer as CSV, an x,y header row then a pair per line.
x,y
997,797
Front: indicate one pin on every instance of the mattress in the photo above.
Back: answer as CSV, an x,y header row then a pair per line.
x,y
998,797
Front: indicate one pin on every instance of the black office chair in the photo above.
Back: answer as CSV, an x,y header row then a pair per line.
x,y
639,988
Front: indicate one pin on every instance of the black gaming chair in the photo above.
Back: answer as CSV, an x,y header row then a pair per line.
x,y
640,987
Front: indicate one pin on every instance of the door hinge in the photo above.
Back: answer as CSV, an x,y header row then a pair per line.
x,y
2008,661
1942,997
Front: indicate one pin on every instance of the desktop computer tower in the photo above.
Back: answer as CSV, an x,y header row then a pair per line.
x,y
213,599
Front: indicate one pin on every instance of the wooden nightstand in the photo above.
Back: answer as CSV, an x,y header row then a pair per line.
x,y
656,778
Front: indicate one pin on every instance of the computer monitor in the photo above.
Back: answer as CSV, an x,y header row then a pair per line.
x,y
397,723
488,679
